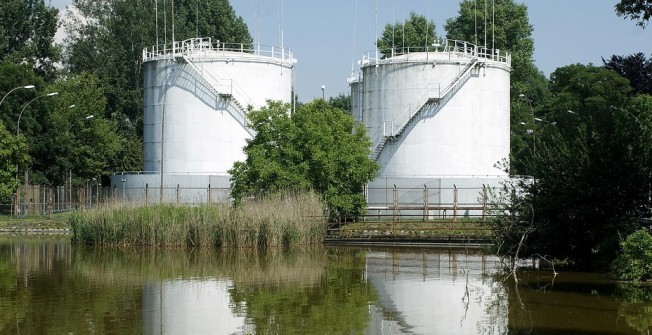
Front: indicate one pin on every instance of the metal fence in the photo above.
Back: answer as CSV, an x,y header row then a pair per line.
x,y
38,199
428,202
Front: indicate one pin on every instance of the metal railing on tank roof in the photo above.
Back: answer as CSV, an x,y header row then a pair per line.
x,y
205,46
459,48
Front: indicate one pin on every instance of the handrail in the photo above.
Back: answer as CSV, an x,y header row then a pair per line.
x,y
458,47
241,116
205,46
379,138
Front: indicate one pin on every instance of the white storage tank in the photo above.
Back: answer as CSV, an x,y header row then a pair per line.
x,y
442,113
196,95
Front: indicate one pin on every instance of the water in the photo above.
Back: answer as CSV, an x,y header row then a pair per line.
x,y
48,286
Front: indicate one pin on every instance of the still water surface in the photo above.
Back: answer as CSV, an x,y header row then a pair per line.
x,y
48,286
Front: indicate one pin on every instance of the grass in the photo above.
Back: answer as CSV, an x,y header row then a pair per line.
x,y
57,221
277,220
433,229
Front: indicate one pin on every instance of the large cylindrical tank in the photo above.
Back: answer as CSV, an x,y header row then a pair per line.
x,y
437,113
196,97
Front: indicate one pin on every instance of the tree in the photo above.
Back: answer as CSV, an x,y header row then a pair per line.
x,y
107,39
342,102
415,34
635,68
27,29
69,141
508,29
592,169
13,153
318,147
640,10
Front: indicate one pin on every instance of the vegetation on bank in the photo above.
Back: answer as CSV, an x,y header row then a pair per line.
x,y
317,146
274,220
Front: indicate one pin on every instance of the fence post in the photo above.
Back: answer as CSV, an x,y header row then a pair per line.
x,y
454,202
114,193
209,194
177,194
425,202
395,205
146,192
484,201
50,208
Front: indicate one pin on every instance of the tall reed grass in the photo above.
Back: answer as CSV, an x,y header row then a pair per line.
x,y
275,220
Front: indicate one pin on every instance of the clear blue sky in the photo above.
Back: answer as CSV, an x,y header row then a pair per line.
x,y
321,33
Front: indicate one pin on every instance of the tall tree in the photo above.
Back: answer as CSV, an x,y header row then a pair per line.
x,y
639,10
592,169
70,141
27,29
318,147
415,34
13,153
107,37
635,68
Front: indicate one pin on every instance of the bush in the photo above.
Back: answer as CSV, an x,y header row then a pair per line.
x,y
635,260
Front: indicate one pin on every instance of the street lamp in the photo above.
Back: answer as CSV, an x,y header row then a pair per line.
x,y
13,89
27,104
534,126
84,118
323,87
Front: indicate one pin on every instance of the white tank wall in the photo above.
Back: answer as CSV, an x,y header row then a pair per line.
x,y
200,133
467,136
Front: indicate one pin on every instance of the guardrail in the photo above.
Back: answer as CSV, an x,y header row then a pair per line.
x,y
458,48
206,46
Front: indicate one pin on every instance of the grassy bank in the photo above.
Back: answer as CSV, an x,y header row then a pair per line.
x,y
272,221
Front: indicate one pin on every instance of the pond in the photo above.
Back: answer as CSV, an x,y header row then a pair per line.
x,y
48,286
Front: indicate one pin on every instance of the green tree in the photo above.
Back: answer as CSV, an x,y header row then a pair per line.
x,y
634,67
13,153
318,147
508,29
640,10
416,34
27,29
592,169
70,141
107,40
342,102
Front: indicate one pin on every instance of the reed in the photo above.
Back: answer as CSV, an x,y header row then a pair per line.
x,y
276,220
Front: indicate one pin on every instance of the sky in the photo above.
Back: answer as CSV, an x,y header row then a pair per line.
x,y
328,37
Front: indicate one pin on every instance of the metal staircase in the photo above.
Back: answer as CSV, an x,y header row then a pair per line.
x,y
387,130
237,110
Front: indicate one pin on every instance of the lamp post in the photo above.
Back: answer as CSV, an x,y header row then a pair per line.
x,y
534,126
13,89
84,118
27,104
323,88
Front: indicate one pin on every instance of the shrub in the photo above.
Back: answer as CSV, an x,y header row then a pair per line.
x,y
635,260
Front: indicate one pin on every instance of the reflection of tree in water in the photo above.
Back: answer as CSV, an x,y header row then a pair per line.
x,y
636,306
45,298
337,304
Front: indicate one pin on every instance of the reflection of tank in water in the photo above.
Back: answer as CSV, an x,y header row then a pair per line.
x,y
440,116
196,95
189,307
426,292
